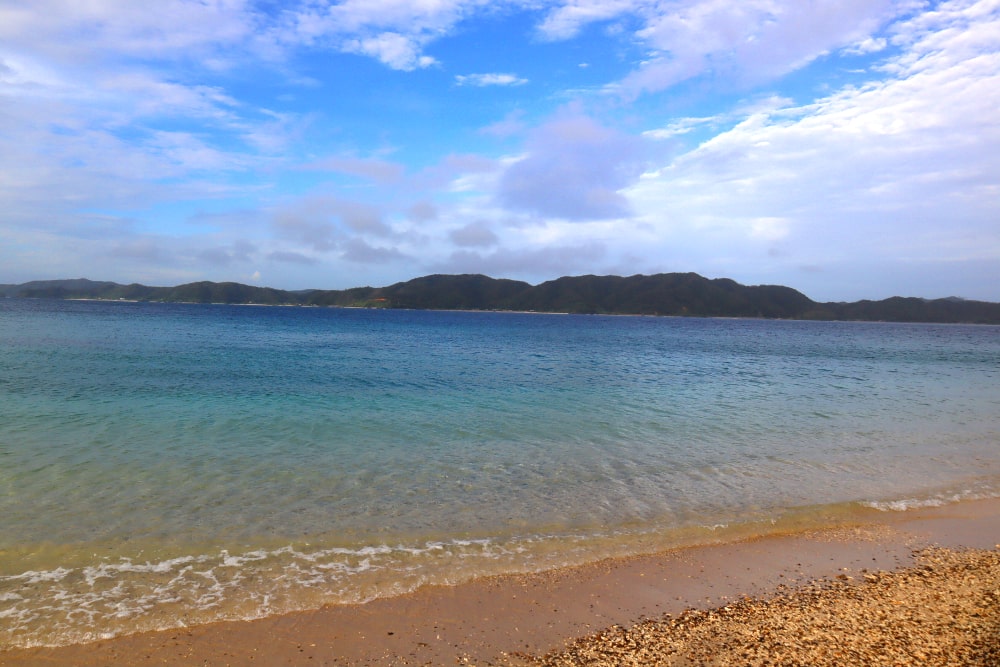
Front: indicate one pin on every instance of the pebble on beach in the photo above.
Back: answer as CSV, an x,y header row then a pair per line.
x,y
945,611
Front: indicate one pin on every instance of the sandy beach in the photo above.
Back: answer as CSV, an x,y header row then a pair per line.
x,y
915,587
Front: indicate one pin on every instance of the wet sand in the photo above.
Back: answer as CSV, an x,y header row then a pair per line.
x,y
741,591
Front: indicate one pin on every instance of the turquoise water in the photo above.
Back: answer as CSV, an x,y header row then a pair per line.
x,y
164,465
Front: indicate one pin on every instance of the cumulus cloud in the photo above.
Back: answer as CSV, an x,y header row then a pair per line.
x,y
120,119
392,31
324,222
436,15
474,234
289,257
235,252
868,45
146,250
751,41
308,228
221,33
457,172
745,42
529,263
566,20
72,31
422,211
116,135
57,165
870,172
360,251
512,124
360,217
398,51
574,169
757,37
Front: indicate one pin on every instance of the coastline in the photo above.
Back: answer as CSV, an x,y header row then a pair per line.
x,y
495,619
676,294
526,312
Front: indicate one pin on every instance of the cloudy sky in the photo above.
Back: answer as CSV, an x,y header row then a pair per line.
x,y
847,148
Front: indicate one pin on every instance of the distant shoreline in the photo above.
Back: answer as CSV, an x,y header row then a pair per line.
x,y
664,295
508,312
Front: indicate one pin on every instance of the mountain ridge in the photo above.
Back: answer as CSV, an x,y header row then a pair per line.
x,y
665,294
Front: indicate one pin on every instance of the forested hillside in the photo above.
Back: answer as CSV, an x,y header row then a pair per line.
x,y
681,294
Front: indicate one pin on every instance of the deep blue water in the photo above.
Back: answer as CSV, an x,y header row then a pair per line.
x,y
160,462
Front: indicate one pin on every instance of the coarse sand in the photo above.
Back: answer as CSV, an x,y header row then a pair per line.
x,y
943,611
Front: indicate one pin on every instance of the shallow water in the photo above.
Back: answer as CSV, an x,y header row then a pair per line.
x,y
173,464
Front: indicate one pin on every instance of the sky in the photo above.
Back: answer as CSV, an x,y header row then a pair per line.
x,y
847,148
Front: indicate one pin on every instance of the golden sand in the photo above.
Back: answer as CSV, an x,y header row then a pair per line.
x,y
913,588
944,612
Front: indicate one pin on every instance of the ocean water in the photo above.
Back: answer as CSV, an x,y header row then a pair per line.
x,y
166,465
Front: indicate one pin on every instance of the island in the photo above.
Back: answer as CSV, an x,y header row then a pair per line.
x,y
664,294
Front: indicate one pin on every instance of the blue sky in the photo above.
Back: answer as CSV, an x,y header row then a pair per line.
x,y
848,148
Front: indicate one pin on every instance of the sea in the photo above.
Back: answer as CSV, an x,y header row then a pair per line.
x,y
167,465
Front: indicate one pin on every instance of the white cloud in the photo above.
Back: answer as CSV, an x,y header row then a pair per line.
x,y
111,108
308,227
751,41
422,211
686,37
393,31
769,228
360,251
423,15
148,95
73,32
323,222
874,173
744,42
475,234
533,263
868,45
398,51
291,257
188,153
221,34
677,127
494,79
238,251
567,19
512,124
457,173
574,169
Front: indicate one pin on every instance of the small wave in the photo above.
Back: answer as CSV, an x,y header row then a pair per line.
x,y
35,577
904,505
114,597
939,500
73,605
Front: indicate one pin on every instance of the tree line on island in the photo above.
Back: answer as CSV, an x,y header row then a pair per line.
x,y
675,294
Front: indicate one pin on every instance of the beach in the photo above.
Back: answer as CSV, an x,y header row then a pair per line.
x,y
187,484
913,587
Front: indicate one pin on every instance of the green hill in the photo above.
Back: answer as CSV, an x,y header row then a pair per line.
x,y
681,294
